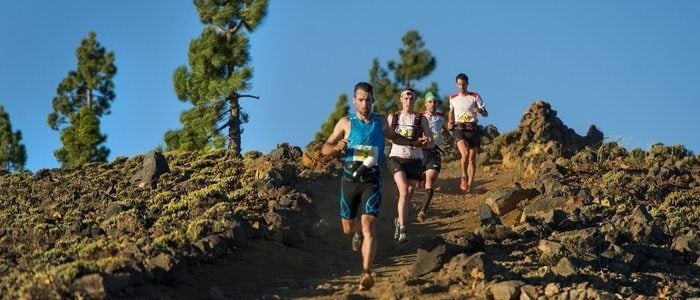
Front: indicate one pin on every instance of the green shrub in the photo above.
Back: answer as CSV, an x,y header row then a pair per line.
x,y
637,155
680,211
174,239
199,228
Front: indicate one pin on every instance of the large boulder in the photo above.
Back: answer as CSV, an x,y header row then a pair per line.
x,y
154,164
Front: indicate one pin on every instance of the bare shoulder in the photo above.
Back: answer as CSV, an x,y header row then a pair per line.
x,y
343,123
341,129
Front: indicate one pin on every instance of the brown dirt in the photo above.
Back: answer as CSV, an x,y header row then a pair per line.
x,y
328,268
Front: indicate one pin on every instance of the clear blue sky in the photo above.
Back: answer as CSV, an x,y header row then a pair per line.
x,y
629,67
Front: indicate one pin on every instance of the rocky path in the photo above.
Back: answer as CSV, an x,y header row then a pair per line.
x,y
451,211
328,268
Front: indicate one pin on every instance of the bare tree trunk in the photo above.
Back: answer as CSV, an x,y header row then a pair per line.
x,y
89,99
234,126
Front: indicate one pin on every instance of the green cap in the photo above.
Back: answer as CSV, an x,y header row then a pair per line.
x,y
430,97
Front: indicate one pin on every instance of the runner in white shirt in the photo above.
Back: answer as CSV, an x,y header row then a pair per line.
x,y
432,154
406,162
463,118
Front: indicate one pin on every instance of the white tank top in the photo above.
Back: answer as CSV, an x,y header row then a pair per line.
x,y
405,128
466,106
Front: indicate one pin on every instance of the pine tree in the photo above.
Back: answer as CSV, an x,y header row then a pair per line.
x,y
83,97
385,90
342,108
13,155
90,85
218,72
415,63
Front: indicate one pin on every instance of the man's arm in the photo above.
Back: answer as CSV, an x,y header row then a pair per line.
x,y
451,118
336,142
481,107
428,133
483,112
446,134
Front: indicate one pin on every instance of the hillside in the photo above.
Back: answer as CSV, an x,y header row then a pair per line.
x,y
553,214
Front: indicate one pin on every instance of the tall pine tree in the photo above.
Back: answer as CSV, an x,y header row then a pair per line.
x,y
13,155
90,90
90,84
385,90
342,108
218,74
415,63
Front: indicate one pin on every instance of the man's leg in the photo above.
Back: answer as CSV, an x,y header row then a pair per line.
x,y
463,148
430,178
369,248
351,226
369,245
471,169
402,205
411,185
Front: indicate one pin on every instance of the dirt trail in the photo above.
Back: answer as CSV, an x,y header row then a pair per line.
x,y
328,268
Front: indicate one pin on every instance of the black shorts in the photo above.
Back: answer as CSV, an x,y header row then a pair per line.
x,y
412,167
356,193
432,160
472,137
366,192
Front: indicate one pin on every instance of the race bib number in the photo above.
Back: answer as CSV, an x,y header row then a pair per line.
x,y
361,152
464,118
405,131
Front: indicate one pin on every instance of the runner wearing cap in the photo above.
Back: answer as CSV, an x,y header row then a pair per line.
x,y
432,156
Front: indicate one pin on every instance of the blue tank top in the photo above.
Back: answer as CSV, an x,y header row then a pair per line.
x,y
365,139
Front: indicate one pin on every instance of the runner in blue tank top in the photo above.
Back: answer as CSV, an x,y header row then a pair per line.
x,y
361,140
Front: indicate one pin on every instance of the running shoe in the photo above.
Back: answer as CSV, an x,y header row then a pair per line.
x,y
396,228
357,241
402,235
463,184
366,282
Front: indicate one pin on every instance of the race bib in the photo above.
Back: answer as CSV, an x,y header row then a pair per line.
x,y
464,118
405,131
361,152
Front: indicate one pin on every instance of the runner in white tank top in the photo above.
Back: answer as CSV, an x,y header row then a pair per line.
x,y
405,162
463,119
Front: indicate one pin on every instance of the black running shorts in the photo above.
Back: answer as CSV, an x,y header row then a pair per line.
x,y
356,193
412,167
471,137
432,160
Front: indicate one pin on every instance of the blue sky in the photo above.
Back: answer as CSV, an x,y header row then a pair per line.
x,y
629,67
